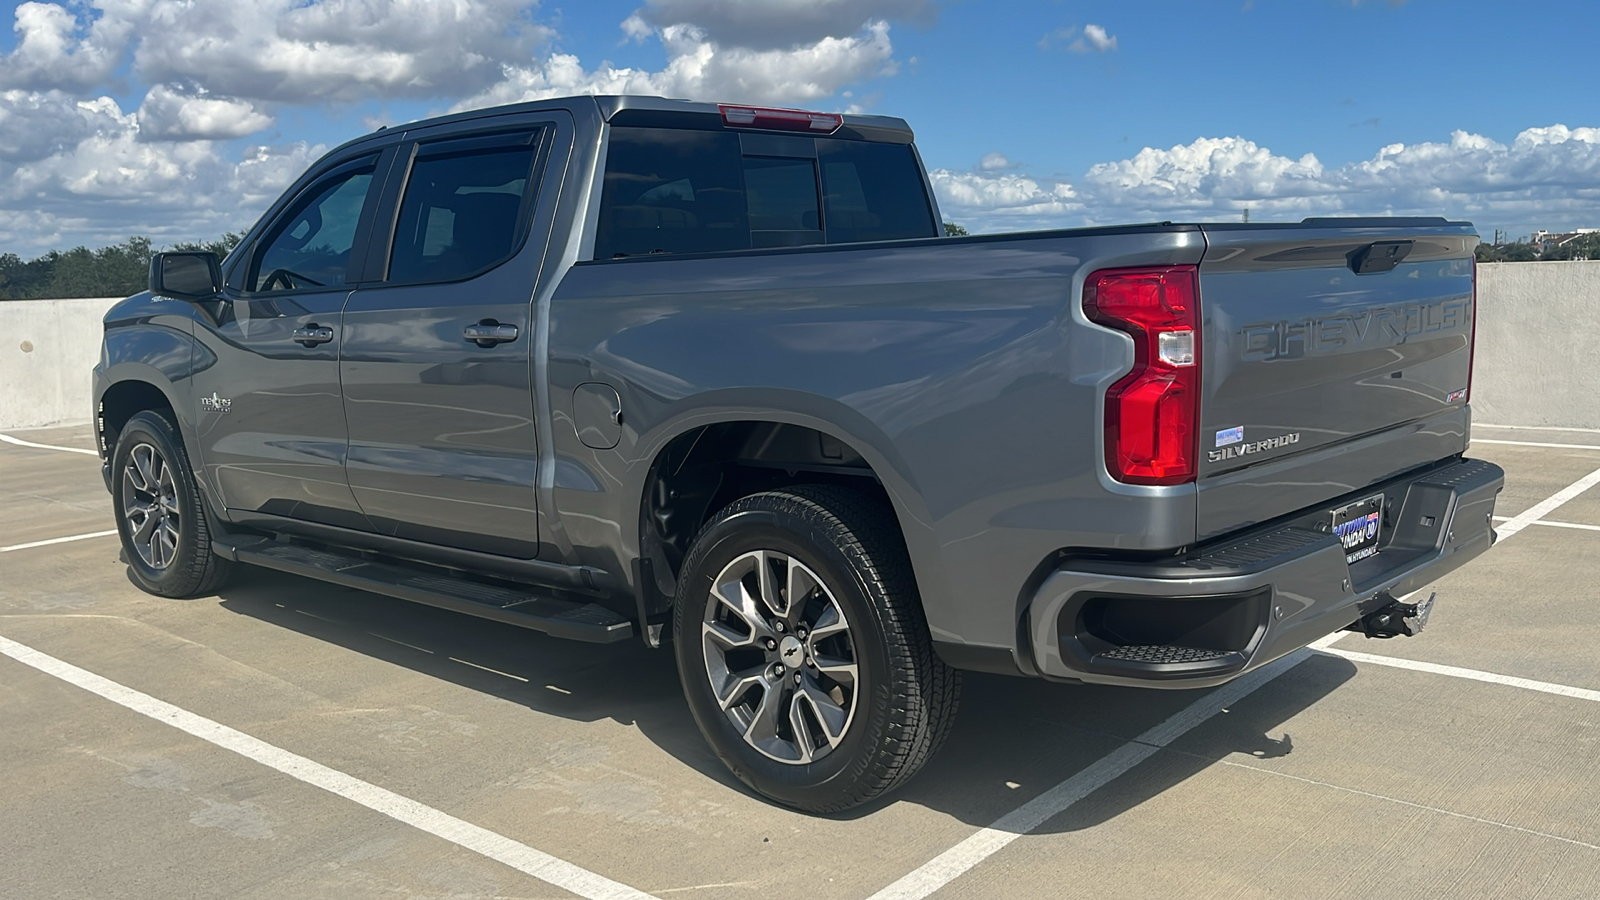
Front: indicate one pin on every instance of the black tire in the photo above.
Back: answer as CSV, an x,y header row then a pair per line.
x,y
185,566
903,697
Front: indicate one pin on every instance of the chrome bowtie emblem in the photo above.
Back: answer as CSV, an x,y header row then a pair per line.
x,y
791,651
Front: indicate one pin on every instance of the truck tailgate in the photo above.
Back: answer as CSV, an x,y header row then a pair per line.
x,y
1336,355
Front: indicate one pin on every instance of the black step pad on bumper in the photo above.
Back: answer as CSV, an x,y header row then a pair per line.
x,y
589,622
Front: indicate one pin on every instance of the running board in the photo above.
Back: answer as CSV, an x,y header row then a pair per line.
x,y
588,622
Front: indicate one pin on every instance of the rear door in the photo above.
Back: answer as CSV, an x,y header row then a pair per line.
x,y
436,368
1336,355
271,423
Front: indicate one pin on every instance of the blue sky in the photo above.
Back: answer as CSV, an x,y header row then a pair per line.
x,y
182,118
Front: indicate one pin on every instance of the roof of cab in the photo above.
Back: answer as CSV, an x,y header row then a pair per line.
x,y
887,128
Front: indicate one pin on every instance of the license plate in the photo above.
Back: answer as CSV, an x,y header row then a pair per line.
x,y
1357,527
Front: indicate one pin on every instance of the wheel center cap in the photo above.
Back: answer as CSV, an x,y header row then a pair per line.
x,y
791,651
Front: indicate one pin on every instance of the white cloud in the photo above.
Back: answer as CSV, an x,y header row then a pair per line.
x,y
993,162
1094,40
277,50
94,180
171,115
699,69
35,125
780,24
989,202
1550,173
74,163
57,50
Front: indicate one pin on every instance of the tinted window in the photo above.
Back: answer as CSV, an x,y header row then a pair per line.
x,y
310,246
671,191
682,191
781,196
873,192
462,213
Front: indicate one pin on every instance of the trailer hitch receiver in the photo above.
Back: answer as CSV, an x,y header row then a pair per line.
x,y
1395,619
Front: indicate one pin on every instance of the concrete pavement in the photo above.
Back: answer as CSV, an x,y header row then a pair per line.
x,y
1335,779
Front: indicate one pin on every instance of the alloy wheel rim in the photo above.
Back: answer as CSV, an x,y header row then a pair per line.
x,y
150,506
780,657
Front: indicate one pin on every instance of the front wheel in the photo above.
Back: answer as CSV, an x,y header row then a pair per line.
x,y
803,650
160,514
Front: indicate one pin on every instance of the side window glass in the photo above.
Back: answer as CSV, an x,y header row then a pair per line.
x,y
463,212
873,192
671,191
310,246
781,195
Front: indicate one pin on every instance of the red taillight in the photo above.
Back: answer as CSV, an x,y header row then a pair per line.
x,y
1152,414
1472,346
780,119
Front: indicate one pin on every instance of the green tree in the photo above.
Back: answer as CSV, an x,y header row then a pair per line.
x,y
221,246
22,279
115,271
1516,252
951,229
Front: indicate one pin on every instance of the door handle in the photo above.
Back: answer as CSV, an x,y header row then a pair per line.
x,y
313,334
488,332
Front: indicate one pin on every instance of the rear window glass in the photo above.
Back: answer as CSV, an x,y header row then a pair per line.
x,y
873,192
461,214
683,191
671,191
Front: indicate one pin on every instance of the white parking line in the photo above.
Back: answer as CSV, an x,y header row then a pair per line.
x,y
1537,428
22,443
1548,505
498,847
1527,684
59,540
1549,524
951,864
1538,444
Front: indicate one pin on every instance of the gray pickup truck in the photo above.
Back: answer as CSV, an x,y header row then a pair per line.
x,y
607,367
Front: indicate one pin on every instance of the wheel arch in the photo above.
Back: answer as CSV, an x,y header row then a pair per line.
x,y
703,459
132,393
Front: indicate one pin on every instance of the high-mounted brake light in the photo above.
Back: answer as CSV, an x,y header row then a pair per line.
x,y
780,119
1152,413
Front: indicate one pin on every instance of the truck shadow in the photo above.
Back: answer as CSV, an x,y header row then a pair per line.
x,y
1013,737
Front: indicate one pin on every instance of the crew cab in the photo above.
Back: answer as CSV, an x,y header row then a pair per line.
x,y
711,376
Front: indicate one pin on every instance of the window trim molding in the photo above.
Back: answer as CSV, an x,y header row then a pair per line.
x,y
538,135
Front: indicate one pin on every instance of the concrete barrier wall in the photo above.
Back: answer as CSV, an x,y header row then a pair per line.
x,y
48,349
1538,332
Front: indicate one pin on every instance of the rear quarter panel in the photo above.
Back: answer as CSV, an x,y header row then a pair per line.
x,y
962,370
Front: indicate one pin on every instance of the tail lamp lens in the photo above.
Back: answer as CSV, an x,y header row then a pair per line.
x,y
1152,413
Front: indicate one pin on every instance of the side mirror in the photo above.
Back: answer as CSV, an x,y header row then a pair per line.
x,y
187,275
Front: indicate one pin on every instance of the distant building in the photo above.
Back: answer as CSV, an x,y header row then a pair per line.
x,y
1545,241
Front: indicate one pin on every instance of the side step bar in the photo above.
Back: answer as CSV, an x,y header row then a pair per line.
x,y
588,622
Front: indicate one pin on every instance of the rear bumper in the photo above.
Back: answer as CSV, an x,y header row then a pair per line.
x,y
1202,620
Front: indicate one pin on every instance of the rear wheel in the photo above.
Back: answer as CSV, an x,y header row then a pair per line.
x,y
803,651
160,515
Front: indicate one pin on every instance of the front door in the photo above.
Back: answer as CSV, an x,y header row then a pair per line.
x,y
436,365
271,424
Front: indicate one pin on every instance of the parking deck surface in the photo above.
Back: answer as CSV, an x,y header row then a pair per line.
x,y
472,759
